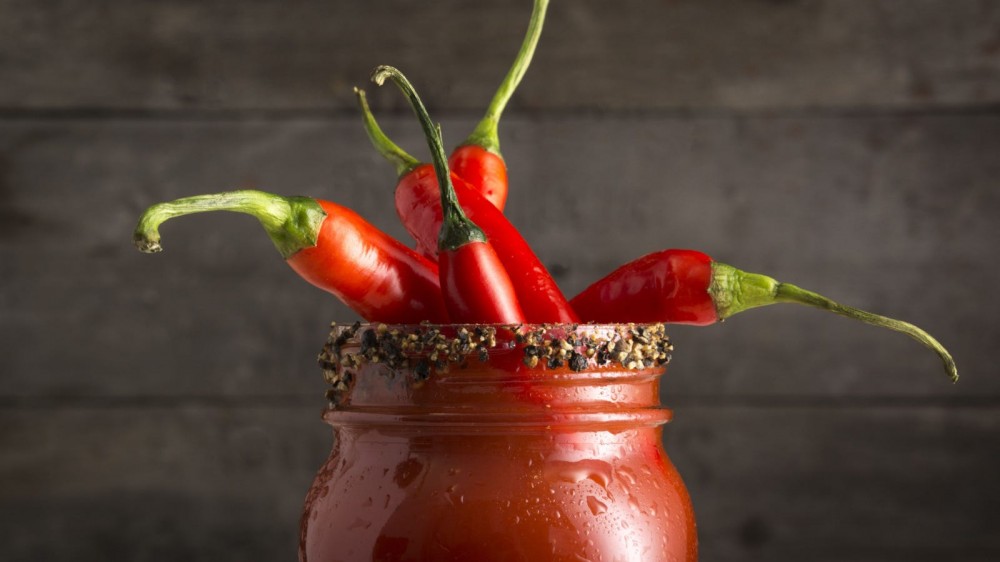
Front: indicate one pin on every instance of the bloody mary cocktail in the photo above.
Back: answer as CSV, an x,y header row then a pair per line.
x,y
485,457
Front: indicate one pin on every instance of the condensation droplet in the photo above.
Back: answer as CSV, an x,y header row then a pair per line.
x,y
598,471
596,506
450,495
627,476
360,524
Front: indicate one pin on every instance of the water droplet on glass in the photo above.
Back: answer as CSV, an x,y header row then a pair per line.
x,y
596,506
451,496
407,471
627,476
360,524
595,470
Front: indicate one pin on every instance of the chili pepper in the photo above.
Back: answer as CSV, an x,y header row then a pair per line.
x,y
478,160
474,283
331,247
688,287
418,204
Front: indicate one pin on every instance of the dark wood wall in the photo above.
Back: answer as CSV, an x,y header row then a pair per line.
x,y
167,407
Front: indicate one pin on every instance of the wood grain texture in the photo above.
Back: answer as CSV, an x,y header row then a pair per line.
x,y
166,407
892,214
826,484
154,483
261,54
226,483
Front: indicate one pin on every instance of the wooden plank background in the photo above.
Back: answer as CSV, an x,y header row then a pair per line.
x,y
166,407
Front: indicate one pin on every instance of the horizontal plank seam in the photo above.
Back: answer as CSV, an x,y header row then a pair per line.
x,y
320,114
893,553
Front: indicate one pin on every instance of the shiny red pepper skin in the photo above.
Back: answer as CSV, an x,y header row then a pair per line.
x,y
418,204
688,287
475,285
666,286
484,170
478,160
328,245
465,272
373,273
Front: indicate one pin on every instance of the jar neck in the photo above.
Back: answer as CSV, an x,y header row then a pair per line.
x,y
485,400
502,389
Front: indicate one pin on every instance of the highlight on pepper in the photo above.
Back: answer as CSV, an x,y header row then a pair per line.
x,y
469,264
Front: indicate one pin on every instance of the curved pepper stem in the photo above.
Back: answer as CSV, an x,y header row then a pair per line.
x,y
734,291
293,223
485,133
383,144
456,228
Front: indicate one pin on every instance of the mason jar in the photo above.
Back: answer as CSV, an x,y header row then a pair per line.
x,y
497,443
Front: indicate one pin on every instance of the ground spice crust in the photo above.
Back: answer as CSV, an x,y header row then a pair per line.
x,y
422,350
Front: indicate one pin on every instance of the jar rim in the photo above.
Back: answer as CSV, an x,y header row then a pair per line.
x,y
424,349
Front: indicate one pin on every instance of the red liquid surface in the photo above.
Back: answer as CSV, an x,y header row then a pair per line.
x,y
495,464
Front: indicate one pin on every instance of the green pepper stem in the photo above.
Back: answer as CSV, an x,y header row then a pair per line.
x,y
292,223
383,144
456,228
485,133
734,291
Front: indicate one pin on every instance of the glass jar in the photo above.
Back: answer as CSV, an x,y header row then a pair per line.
x,y
538,443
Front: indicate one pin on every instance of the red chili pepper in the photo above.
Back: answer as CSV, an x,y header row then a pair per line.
x,y
478,160
331,247
418,204
474,283
483,169
688,287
